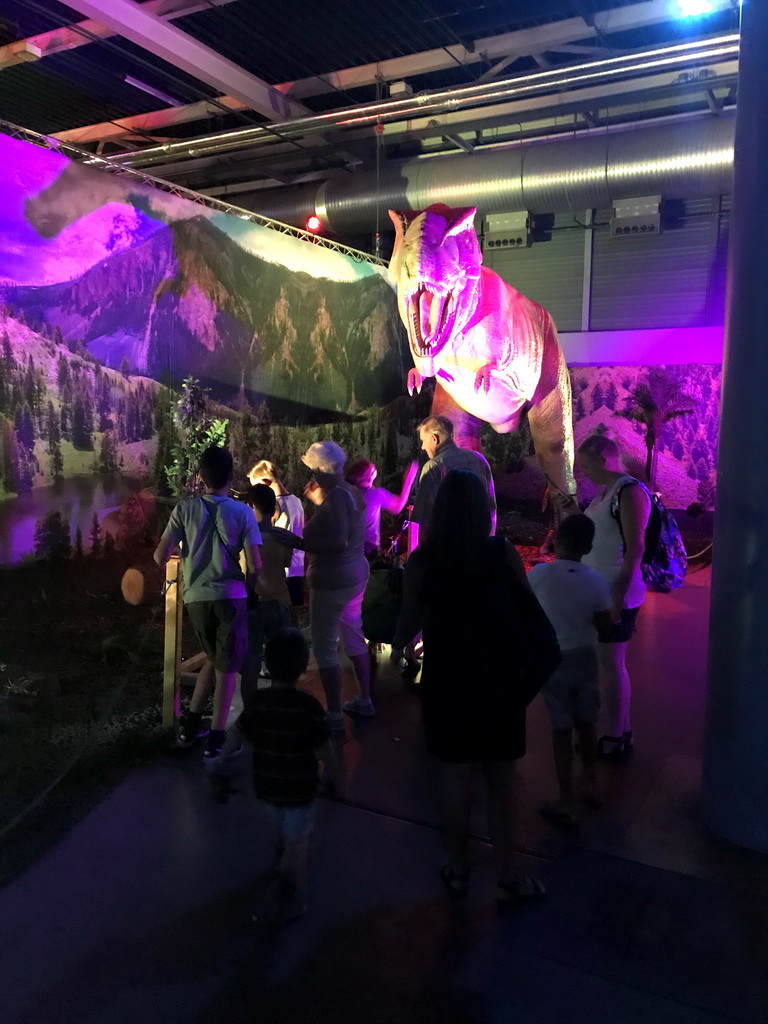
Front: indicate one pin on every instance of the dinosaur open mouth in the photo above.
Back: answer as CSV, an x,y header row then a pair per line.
x,y
431,315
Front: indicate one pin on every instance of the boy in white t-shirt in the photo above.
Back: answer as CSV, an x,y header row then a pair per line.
x,y
576,600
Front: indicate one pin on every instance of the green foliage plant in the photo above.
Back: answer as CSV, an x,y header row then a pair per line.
x,y
197,430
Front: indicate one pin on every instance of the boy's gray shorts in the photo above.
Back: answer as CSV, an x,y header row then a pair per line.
x,y
572,693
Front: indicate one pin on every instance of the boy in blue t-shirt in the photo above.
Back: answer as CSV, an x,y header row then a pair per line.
x,y
576,600
211,532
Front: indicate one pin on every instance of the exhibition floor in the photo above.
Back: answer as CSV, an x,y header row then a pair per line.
x,y
142,912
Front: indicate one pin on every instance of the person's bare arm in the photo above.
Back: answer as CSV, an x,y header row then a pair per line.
x,y
492,503
164,550
253,558
634,510
253,564
395,503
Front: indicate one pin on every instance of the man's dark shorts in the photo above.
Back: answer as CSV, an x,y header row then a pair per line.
x,y
622,631
296,590
222,629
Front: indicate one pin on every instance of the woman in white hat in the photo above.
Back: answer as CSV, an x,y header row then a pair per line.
x,y
337,573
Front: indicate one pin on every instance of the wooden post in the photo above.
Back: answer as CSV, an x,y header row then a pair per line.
x,y
172,658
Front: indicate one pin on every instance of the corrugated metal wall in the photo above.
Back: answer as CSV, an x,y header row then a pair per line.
x,y
549,272
673,279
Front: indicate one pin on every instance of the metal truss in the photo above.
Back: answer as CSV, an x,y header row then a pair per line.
x,y
15,131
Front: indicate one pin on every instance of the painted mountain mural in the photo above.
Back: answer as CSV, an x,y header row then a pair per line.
x,y
190,300
111,292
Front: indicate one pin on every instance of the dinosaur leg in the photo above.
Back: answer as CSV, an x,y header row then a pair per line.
x,y
466,428
551,423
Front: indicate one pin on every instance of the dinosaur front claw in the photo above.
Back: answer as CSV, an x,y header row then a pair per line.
x,y
415,380
483,377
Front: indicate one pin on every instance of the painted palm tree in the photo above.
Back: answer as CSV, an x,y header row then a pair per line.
x,y
655,401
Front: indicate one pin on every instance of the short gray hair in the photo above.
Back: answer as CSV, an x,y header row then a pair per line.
x,y
325,457
439,425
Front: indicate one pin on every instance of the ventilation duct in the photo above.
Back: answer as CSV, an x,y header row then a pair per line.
x,y
676,159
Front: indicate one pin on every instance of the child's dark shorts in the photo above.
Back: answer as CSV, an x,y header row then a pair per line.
x,y
622,631
222,629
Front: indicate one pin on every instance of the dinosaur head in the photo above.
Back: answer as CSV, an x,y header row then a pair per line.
x,y
436,267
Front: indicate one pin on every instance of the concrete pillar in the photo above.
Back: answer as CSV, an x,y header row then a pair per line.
x,y
735,795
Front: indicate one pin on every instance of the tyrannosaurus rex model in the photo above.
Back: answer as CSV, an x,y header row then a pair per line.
x,y
494,354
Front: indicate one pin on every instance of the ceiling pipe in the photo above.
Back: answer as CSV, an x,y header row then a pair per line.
x,y
682,55
677,159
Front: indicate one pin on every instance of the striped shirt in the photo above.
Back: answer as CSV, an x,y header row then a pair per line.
x,y
285,726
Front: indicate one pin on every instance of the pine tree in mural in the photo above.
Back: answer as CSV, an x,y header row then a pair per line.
x,y
94,535
107,464
167,437
82,427
654,402
53,433
25,428
52,540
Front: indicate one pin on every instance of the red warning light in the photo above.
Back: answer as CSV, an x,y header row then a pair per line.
x,y
313,223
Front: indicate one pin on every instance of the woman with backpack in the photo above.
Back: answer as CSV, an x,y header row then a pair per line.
x,y
620,511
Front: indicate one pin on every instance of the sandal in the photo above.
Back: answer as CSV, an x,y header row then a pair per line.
x,y
455,883
525,889
554,812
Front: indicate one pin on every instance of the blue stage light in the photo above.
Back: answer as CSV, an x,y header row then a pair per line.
x,y
694,8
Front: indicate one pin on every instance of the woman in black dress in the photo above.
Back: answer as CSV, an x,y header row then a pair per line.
x,y
469,595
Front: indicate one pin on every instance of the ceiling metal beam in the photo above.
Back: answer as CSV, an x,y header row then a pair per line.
x,y
457,140
68,37
147,124
134,22
620,101
713,102
589,51
498,67
522,42
503,48
591,98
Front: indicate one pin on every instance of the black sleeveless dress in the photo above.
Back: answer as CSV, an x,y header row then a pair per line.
x,y
488,650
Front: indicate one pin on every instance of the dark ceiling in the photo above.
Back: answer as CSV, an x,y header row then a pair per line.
x,y
277,42
85,84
